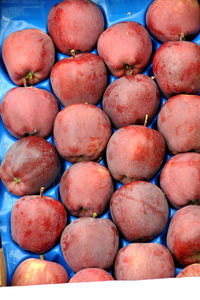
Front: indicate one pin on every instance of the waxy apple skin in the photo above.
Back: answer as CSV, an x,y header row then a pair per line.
x,y
37,222
28,56
75,25
29,111
183,236
79,79
125,48
34,271
91,275
29,164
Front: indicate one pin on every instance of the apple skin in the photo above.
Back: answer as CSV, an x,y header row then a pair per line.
x,y
168,19
37,222
81,132
125,44
140,211
79,79
91,275
179,179
28,111
179,123
86,188
29,164
139,261
128,99
183,235
34,271
176,68
75,25
25,51
192,270
90,243
135,152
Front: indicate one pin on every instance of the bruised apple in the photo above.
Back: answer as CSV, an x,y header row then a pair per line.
x,y
176,68
29,164
28,56
75,25
135,152
37,222
91,275
86,188
170,20
128,100
90,243
34,271
79,79
29,111
125,47
81,132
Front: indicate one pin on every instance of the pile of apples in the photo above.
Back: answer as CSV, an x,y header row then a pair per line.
x,y
114,131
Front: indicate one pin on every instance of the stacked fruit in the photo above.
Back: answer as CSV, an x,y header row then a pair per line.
x,y
123,171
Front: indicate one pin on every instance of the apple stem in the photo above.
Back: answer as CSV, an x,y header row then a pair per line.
x,y
94,215
41,191
128,69
28,76
146,119
182,36
73,52
17,180
42,257
153,77
195,202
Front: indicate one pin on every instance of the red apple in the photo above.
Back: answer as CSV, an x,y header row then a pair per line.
x,y
170,20
129,99
81,132
135,152
29,164
192,270
176,67
28,111
37,222
82,78
91,275
90,243
28,56
34,271
183,236
179,123
125,48
86,188
75,25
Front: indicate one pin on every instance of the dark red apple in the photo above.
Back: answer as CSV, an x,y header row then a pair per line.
x,y
29,111
37,222
29,164
125,48
34,271
79,79
75,25
28,56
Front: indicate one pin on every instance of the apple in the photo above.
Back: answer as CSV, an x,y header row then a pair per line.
x,y
81,132
125,47
79,79
140,261
192,270
170,20
86,188
29,164
28,56
129,99
140,211
183,235
179,179
75,25
91,275
28,111
178,121
90,243
34,271
176,68
37,222
135,152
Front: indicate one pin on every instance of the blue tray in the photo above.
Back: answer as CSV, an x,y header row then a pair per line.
x,y
24,14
